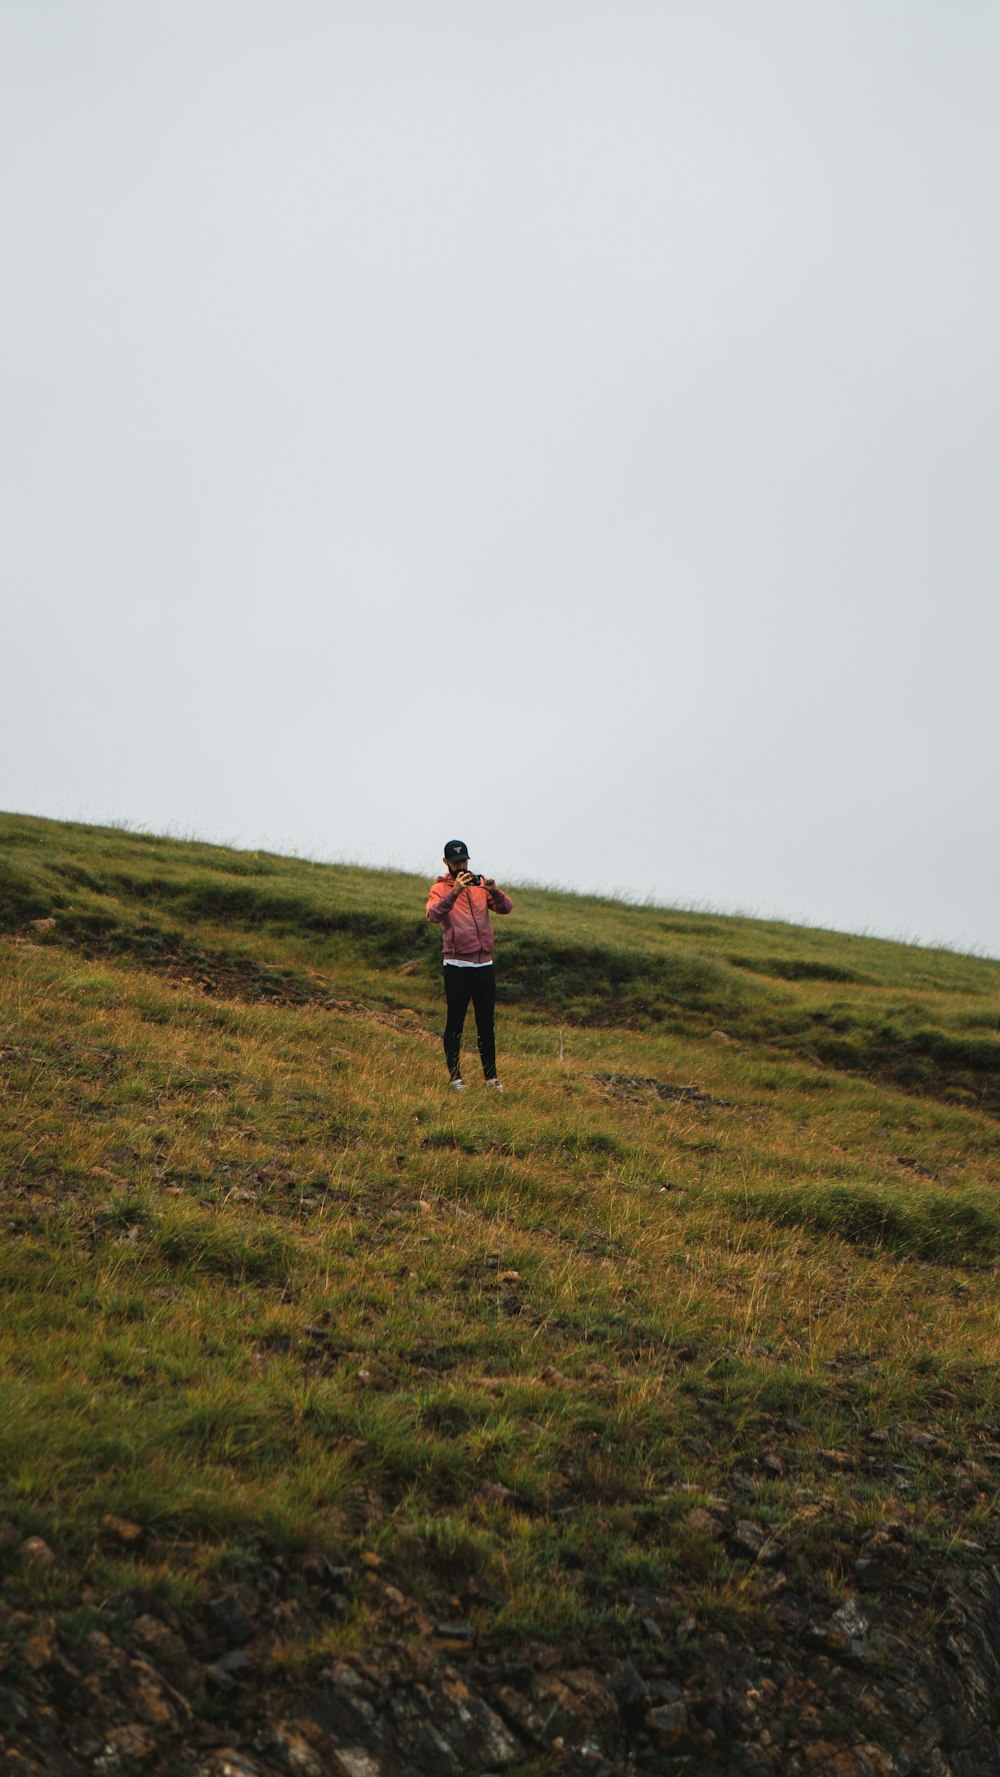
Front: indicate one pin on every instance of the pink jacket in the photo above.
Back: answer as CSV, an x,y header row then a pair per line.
x,y
464,919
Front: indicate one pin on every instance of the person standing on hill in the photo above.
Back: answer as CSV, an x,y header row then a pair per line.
x,y
461,903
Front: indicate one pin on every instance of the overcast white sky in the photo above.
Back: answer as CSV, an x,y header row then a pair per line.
x,y
567,426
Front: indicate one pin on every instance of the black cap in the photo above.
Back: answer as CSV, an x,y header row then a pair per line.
x,y
455,851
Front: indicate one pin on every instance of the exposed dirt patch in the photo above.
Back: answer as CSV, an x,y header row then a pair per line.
x,y
219,974
633,1088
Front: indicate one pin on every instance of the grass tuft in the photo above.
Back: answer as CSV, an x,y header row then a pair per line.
x,y
197,1245
954,1229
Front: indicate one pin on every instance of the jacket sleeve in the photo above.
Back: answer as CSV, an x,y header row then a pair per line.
x,y
499,902
439,904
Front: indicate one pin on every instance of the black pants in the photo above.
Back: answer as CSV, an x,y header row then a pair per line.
x,y
479,986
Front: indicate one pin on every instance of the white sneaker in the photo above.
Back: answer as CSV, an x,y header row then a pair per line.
x,y
495,1085
457,1085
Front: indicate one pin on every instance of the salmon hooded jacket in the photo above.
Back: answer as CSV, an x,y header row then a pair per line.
x,y
464,918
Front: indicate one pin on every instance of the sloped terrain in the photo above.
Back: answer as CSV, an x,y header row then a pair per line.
x,y
646,1420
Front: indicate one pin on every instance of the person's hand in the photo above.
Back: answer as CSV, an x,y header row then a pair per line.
x,y
489,884
462,880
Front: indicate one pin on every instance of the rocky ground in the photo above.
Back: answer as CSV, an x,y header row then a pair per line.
x,y
901,1681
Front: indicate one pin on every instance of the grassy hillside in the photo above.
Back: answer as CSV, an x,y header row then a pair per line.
x,y
701,1313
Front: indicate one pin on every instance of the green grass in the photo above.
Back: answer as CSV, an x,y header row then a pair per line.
x,y
264,1285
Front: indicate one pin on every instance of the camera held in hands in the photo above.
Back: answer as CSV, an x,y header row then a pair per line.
x,y
474,880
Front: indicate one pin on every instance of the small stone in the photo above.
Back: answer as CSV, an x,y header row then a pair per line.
x,y
837,1641
122,1531
703,1522
226,1674
496,1493
887,1547
150,1703
522,1712
153,1635
301,1758
34,1549
352,1761
133,1741
668,1724
851,1619
236,1661
749,1538
840,1460
630,1687
39,1649
227,1762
